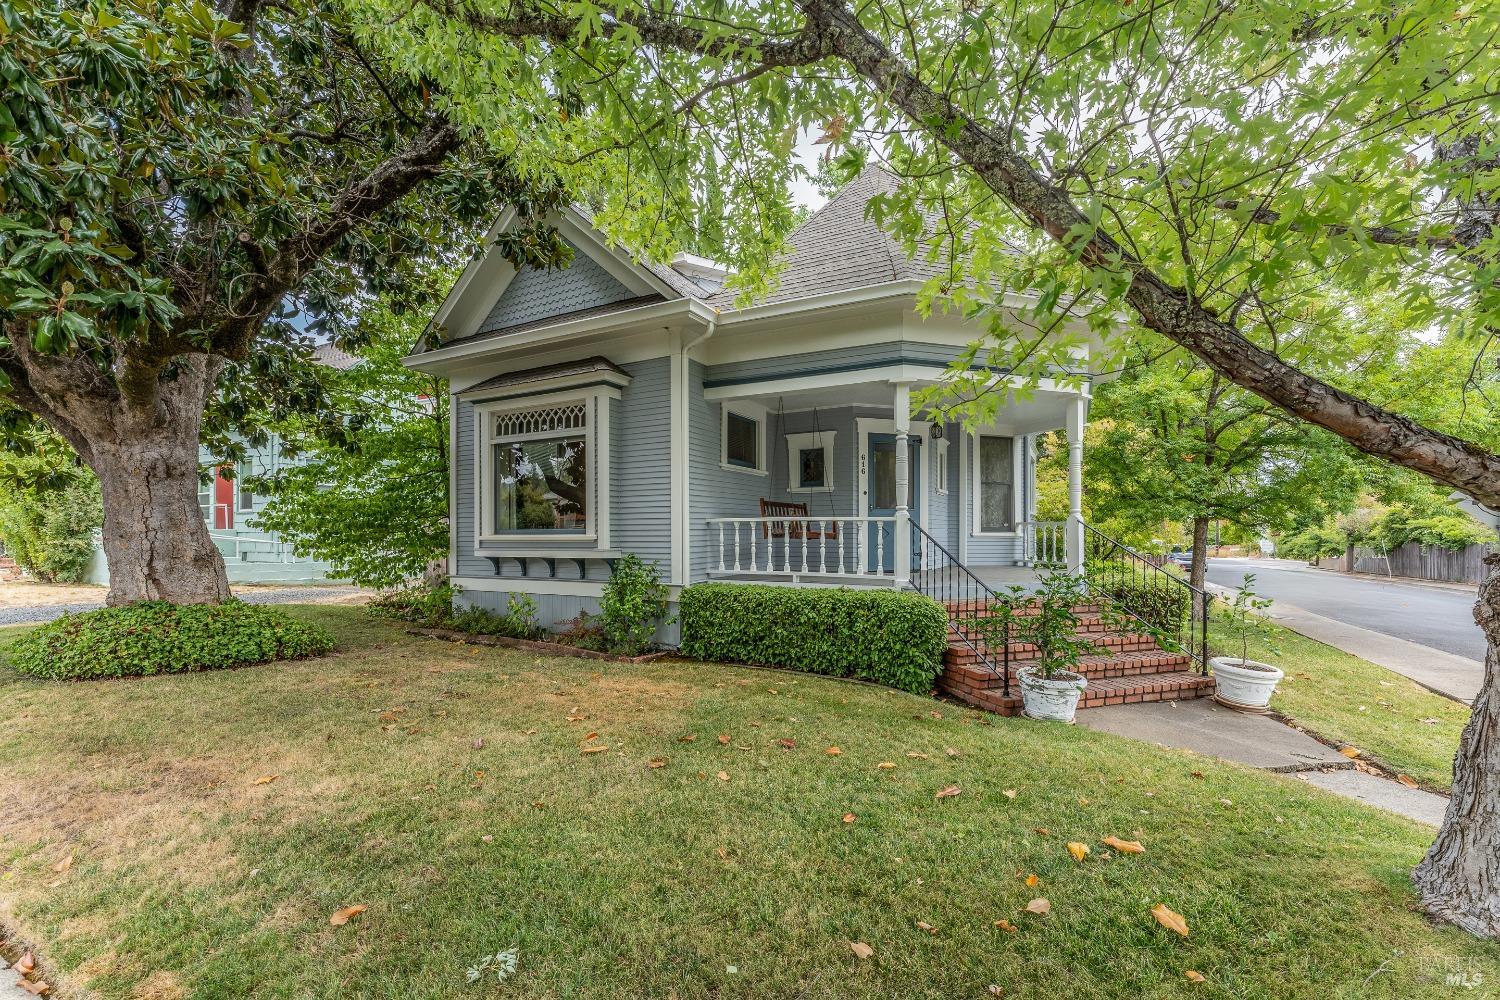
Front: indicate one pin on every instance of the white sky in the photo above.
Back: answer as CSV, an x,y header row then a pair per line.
x,y
805,192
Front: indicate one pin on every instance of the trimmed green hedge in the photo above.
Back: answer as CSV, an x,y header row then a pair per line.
x,y
887,636
155,637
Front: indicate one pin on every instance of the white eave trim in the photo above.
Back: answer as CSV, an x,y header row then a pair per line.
x,y
652,313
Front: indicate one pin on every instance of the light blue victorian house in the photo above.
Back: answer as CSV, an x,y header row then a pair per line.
x,y
617,407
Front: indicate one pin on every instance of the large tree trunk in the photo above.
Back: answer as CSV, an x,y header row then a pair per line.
x,y
1198,572
144,449
155,538
1459,879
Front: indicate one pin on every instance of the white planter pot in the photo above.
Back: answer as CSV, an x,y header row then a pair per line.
x,y
1051,700
1244,685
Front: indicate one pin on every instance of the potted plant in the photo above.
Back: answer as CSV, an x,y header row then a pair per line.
x,y
1244,684
1048,620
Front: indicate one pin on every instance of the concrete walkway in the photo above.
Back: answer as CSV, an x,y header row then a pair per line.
x,y
1260,741
8,988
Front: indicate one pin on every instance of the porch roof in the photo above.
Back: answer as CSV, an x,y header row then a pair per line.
x,y
533,378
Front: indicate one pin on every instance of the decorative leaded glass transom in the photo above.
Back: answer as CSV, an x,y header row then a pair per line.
x,y
544,420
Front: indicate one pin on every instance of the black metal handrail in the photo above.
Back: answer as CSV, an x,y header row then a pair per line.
x,y
938,574
1139,589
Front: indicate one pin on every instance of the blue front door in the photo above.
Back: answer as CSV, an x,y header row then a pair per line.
x,y
880,484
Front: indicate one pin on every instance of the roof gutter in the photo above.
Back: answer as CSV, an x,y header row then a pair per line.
x,y
682,444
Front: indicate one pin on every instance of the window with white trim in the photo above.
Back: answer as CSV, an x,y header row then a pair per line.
x,y
244,496
997,483
743,437
940,467
537,462
809,462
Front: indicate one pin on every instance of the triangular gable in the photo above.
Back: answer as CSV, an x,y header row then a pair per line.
x,y
492,295
536,294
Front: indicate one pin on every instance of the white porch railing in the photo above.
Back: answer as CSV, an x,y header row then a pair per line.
x,y
256,550
794,547
1045,543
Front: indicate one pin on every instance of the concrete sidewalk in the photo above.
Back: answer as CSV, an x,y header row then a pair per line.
x,y
1260,741
1455,677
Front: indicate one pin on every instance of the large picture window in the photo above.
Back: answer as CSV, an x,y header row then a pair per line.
x,y
997,479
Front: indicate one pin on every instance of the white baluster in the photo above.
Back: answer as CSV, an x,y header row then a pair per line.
x,y
806,527
823,548
735,527
721,546
879,548
840,527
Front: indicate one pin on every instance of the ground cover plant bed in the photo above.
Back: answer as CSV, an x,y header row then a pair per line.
x,y
696,829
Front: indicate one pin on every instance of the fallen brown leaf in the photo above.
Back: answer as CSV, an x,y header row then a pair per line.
x,y
1043,831
722,776
833,751
1405,780
861,949
1009,793
1032,881
63,864
1351,752
1039,906
265,780
687,738
594,749
36,989
1125,846
27,964
916,756
850,817
885,765
1193,976
1078,850
342,917
656,762
948,793
723,737
1006,926
787,744
1170,919
923,925
590,736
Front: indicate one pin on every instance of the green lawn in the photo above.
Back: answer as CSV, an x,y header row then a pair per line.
x,y
1350,701
617,879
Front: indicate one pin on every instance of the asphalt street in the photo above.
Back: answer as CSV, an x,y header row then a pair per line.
x,y
1441,618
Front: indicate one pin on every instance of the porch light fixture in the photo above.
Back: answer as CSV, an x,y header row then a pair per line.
x,y
937,431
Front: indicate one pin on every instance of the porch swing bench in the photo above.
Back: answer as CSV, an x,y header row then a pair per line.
x,y
796,517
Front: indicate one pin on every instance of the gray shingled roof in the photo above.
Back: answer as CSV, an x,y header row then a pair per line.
x,y
838,248
563,370
333,357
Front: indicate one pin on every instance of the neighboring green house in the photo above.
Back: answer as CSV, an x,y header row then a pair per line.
x,y
229,508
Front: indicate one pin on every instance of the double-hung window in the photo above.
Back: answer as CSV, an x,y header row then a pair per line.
x,y
743,435
996,468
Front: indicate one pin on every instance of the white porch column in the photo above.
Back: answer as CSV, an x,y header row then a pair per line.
x,y
902,534
1073,538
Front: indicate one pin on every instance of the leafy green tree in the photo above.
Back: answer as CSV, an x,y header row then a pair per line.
x,y
1209,170
370,495
49,508
177,183
1172,440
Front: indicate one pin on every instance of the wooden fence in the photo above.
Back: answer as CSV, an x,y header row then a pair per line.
x,y
1425,562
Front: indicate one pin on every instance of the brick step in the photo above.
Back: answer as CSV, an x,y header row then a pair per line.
x,y
983,609
1175,686
1111,641
1122,664
1089,624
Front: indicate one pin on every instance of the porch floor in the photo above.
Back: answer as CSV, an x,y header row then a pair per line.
x,y
995,577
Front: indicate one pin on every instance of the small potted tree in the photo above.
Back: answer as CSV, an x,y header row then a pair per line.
x,y
1243,684
1048,620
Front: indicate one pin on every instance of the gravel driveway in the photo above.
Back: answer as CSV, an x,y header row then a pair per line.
x,y
22,603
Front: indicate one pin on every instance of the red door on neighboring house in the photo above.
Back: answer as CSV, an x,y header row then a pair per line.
x,y
223,500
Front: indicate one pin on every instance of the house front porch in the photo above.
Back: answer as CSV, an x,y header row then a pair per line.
x,y
840,484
